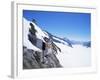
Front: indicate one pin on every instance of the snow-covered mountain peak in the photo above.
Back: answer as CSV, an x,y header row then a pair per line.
x,y
69,53
40,34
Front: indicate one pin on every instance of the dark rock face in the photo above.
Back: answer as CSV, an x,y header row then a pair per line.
x,y
31,60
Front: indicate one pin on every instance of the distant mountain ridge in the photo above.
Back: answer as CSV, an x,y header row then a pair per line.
x,y
69,42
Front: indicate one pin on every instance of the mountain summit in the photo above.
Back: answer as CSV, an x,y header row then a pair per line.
x,y
41,49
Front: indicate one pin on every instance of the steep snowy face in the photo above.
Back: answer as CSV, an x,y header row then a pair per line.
x,y
26,41
40,34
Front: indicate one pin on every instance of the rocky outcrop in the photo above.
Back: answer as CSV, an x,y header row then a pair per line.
x,y
31,60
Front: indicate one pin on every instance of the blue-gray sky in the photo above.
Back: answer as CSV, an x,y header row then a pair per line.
x,y
75,26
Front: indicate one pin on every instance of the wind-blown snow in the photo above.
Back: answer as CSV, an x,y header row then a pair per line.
x,y
77,56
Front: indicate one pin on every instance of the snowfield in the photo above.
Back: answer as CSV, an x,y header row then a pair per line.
x,y
78,56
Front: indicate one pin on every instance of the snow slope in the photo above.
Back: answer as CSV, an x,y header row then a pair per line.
x,y
26,42
63,42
